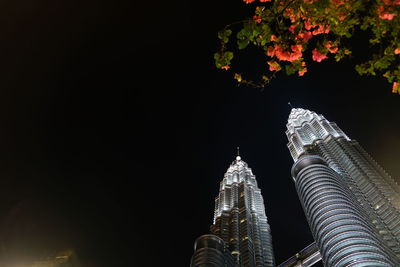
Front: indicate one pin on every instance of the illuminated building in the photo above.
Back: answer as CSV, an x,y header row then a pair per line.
x,y
241,235
352,205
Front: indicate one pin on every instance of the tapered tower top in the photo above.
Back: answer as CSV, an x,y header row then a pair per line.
x,y
238,165
298,115
304,127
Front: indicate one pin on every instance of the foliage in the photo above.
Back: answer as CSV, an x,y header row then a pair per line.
x,y
292,32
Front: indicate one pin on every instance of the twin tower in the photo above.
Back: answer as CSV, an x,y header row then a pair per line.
x,y
352,205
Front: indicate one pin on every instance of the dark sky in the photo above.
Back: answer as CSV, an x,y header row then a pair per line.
x,y
116,129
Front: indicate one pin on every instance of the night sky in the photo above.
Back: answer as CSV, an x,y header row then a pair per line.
x,y
116,129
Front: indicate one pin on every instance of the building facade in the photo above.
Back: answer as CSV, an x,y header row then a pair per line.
x,y
240,234
352,205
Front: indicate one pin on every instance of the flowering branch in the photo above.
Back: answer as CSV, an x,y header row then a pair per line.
x,y
285,30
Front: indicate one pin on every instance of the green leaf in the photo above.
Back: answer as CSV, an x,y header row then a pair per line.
x,y
290,69
223,58
242,34
224,35
242,44
217,56
228,55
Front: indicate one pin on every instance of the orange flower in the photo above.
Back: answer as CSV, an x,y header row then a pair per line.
x,y
271,51
296,48
274,38
397,51
274,66
394,88
226,67
331,49
304,70
287,55
248,1
321,29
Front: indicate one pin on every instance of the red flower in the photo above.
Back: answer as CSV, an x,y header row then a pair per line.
x,y
304,36
287,55
265,1
384,14
289,12
301,72
296,48
341,16
387,16
321,29
338,2
281,54
257,19
249,1
226,67
292,28
317,56
308,24
391,2
274,38
397,51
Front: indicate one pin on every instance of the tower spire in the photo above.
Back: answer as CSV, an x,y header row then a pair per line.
x,y
238,154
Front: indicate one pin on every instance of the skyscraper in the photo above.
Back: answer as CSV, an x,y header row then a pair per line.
x,y
352,205
241,235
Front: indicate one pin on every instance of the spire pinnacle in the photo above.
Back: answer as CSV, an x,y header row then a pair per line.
x,y
290,105
238,154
